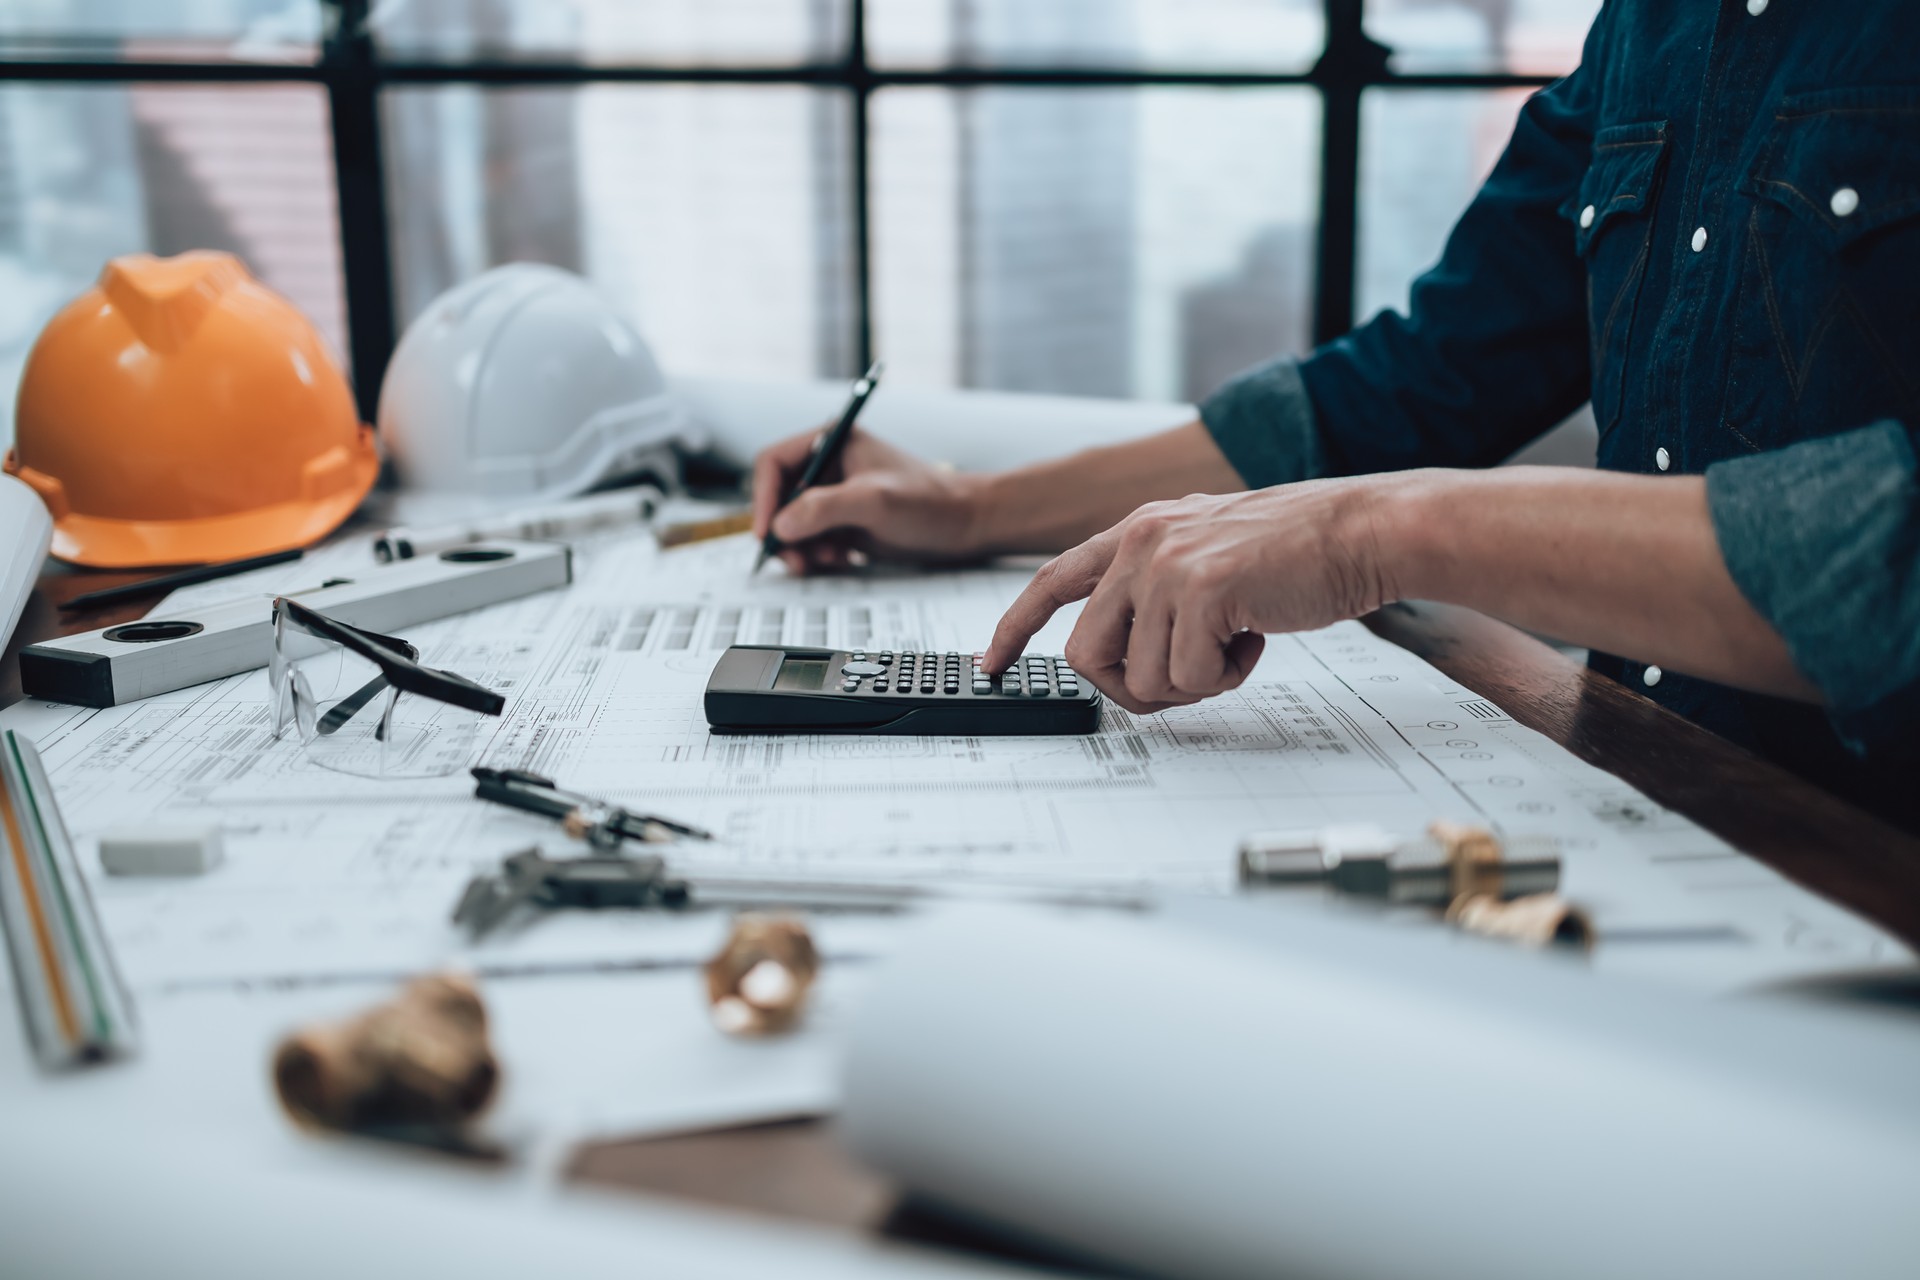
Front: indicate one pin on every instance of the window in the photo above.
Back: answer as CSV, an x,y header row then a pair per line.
x,y
1103,197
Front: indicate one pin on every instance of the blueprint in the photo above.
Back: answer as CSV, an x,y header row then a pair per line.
x,y
333,879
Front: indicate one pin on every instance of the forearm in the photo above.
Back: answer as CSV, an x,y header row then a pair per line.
x,y
1053,505
1628,565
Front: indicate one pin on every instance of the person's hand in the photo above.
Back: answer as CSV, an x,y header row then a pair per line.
x,y
1182,592
878,500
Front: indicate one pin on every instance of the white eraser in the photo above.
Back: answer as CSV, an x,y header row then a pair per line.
x,y
161,851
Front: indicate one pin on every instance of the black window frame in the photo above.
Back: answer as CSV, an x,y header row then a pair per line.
x,y
353,71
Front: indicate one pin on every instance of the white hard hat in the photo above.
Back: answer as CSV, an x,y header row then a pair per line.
x,y
525,385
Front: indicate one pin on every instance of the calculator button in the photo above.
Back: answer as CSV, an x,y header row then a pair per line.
x,y
859,655
886,658
855,670
982,686
850,686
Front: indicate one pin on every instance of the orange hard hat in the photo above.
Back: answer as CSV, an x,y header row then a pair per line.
x,y
179,411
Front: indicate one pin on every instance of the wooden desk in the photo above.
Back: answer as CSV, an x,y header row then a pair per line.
x,y
795,1170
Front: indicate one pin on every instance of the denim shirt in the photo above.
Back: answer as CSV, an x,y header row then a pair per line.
x,y
1711,231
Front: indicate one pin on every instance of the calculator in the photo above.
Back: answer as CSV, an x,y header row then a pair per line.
x,y
759,688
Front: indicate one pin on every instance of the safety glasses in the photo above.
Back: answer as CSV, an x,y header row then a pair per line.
x,y
364,705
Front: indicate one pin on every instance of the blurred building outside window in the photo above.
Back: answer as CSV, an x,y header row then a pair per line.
x,y
1142,241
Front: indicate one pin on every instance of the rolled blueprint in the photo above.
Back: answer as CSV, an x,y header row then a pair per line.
x,y
1271,1092
972,430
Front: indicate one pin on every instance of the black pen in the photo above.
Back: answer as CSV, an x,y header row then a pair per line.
x,y
184,578
826,450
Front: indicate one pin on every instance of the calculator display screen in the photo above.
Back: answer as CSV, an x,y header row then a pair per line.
x,y
802,674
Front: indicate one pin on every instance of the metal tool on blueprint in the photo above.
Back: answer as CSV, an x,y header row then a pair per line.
x,y
75,1007
1481,884
604,826
529,879
173,651
1364,860
559,522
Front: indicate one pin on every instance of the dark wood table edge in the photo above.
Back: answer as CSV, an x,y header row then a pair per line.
x,y
1811,837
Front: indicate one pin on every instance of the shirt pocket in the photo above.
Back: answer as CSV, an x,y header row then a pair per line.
x,y
1826,319
1612,215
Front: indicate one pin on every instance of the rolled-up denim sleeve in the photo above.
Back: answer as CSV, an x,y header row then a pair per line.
x,y
1824,539
1263,421
1492,351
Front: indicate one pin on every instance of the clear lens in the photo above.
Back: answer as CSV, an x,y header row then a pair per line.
x,y
352,721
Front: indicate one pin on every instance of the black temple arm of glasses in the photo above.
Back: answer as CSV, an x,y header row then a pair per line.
x,y
396,660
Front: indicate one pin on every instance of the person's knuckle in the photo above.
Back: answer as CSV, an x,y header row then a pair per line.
x,y
1139,536
1203,575
1192,673
1051,581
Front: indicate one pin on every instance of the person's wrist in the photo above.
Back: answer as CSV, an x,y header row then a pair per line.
x,y
982,513
1405,521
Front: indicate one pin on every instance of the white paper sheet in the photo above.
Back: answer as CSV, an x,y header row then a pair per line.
x,y
333,878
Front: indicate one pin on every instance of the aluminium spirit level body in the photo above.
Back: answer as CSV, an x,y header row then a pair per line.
x,y
161,654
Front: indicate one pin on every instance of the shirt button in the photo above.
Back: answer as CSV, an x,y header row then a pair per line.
x,y
1586,217
1699,239
1844,202
1662,459
1756,7
1650,677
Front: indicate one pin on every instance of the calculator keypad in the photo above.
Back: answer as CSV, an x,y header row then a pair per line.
x,y
954,675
